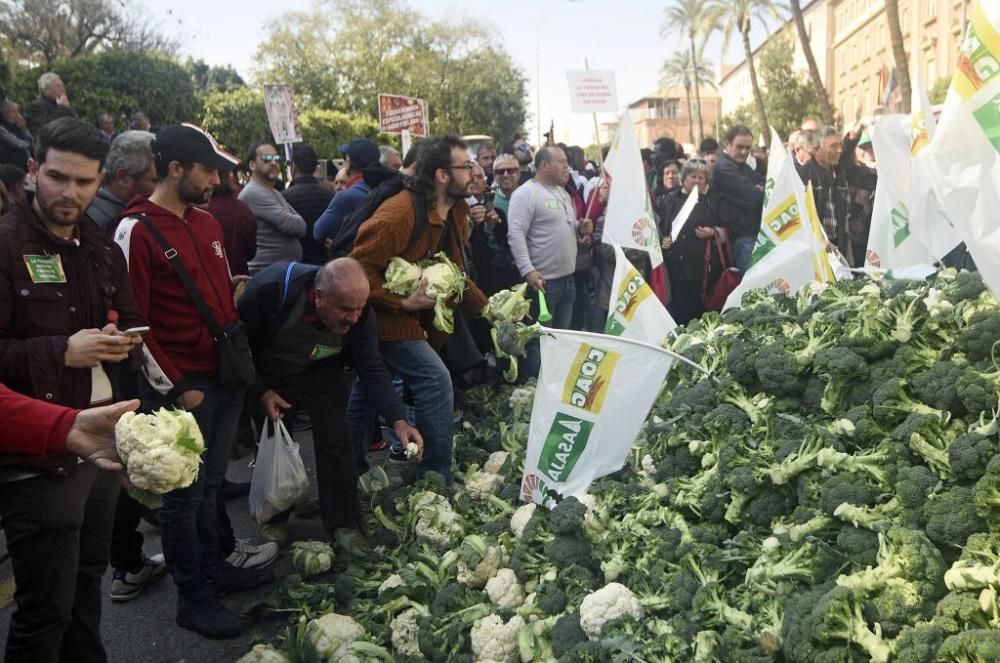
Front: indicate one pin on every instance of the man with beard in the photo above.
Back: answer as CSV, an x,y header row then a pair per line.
x,y
181,361
279,227
486,155
64,300
442,181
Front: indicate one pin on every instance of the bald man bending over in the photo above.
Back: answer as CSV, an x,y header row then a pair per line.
x,y
307,323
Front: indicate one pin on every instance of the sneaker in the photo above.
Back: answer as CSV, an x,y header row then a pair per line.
x,y
209,618
228,578
275,533
127,584
378,445
398,456
248,556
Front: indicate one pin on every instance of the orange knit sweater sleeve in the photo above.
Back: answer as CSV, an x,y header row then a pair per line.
x,y
381,238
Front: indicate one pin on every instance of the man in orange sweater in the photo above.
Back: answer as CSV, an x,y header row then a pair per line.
x,y
442,181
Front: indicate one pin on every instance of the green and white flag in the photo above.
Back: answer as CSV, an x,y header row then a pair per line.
x,y
594,392
634,310
785,269
963,158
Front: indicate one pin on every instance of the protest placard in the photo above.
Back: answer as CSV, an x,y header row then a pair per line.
x,y
592,91
397,114
281,115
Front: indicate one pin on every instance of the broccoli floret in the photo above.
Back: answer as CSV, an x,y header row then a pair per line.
x,y
567,516
904,555
778,371
803,459
726,420
977,338
567,634
892,404
979,565
867,432
936,387
838,617
710,601
873,463
918,643
960,611
979,646
839,368
550,598
740,361
698,398
846,489
900,604
978,391
577,581
914,485
968,456
951,517
764,507
859,545
454,596
987,493
565,550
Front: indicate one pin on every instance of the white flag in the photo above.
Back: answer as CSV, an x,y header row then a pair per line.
x,y
929,221
784,270
964,157
593,394
892,242
629,219
634,310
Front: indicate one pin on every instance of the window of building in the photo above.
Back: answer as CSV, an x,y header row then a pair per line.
x,y
931,8
867,50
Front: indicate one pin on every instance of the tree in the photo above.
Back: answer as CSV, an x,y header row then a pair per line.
x,y
678,71
236,118
325,130
207,78
693,20
788,97
41,31
899,53
120,83
817,80
343,53
736,16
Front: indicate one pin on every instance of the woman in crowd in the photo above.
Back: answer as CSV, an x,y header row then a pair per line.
x,y
686,257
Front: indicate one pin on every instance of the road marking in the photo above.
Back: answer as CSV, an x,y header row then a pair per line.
x,y
7,589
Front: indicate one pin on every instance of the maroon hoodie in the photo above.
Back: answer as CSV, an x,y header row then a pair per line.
x,y
179,343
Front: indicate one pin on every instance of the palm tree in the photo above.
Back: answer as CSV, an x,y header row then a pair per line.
x,y
689,19
677,71
899,53
817,80
736,15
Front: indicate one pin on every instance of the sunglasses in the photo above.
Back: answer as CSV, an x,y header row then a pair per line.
x,y
271,158
464,166
505,171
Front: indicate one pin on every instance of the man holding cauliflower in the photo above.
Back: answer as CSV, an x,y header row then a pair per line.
x,y
442,181
306,322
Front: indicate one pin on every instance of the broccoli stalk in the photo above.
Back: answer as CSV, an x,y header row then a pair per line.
x,y
877,518
903,556
709,601
798,531
796,463
873,462
891,402
840,618
794,565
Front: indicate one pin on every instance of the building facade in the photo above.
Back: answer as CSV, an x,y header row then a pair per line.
x,y
664,114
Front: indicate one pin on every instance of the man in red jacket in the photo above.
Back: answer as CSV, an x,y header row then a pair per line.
x,y
181,361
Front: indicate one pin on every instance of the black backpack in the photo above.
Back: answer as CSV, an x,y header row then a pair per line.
x,y
343,240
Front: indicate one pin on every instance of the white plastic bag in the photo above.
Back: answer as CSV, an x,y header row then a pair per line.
x,y
279,477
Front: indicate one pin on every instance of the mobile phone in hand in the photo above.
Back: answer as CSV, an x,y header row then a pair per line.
x,y
135,331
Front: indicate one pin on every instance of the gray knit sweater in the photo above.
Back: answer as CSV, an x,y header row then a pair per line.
x,y
279,226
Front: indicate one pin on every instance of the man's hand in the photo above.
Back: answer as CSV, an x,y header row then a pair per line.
x,y
586,227
477,214
273,405
418,300
492,218
604,190
89,347
704,232
407,434
92,436
535,280
191,399
63,100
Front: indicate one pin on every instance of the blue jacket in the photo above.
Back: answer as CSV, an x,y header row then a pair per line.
x,y
342,204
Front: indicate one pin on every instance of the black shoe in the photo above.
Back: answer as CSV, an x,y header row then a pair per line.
x,y
208,618
228,578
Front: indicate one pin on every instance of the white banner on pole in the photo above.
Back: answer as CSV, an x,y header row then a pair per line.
x,y
592,91
635,311
593,394
784,270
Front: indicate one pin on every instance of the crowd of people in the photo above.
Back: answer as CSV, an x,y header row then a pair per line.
x,y
155,265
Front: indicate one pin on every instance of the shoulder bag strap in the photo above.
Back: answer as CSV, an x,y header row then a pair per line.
x,y
173,258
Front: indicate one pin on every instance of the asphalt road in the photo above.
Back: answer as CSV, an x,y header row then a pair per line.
x,y
144,630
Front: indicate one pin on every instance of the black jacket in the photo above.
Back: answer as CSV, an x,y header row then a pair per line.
x,y
15,145
310,199
686,258
265,306
738,192
43,110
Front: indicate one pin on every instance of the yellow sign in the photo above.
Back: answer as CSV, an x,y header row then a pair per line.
x,y
979,55
785,220
588,378
821,263
633,291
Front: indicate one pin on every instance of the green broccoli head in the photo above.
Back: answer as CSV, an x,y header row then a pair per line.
x,y
846,488
977,338
958,611
937,387
987,493
951,517
968,456
567,516
978,646
918,643
567,634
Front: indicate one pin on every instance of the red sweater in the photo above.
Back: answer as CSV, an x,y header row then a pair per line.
x,y
29,426
179,342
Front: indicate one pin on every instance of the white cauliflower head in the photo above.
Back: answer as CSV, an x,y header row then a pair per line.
x,y
437,522
612,601
329,637
504,589
264,654
390,583
497,463
493,641
480,485
521,517
311,558
161,451
405,633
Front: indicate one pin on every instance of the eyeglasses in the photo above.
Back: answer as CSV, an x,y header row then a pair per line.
x,y
271,158
464,166
505,171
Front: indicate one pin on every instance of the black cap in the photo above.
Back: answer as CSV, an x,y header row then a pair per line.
x,y
363,152
187,142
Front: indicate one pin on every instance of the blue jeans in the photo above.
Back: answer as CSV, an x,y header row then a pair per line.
x,y
362,418
742,251
423,371
560,294
189,524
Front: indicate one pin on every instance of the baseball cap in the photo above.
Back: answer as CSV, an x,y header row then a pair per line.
x,y
188,142
363,152
865,140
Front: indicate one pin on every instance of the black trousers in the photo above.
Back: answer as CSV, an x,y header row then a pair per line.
x,y
687,301
322,392
58,535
